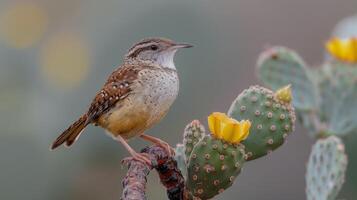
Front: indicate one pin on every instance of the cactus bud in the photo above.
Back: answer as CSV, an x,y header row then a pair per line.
x,y
284,94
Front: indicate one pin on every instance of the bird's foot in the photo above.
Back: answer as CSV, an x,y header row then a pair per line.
x,y
141,157
166,146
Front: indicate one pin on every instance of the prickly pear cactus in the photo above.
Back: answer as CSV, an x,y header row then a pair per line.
x,y
330,109
344,115
272,120
213,167
322,96
281,66
344,75
326,169
193,133
180,158
339,94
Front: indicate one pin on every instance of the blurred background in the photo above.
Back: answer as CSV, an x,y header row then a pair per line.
x,y
55,56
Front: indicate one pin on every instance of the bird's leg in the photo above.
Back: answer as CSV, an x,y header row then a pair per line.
x,y
136,156
159,142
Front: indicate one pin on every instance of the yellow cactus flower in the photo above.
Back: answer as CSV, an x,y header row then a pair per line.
x,y
343,49
284,94
230,130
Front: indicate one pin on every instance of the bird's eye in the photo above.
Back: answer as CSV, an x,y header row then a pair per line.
x,y
154,47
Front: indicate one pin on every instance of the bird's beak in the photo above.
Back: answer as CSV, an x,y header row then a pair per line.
x,y
183,45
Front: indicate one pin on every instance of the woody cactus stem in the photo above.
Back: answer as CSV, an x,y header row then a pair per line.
x,y
134,183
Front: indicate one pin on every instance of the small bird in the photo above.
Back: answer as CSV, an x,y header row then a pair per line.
x,y
135,97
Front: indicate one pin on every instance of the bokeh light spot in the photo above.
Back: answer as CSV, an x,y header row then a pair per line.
x,y
23,24
65,59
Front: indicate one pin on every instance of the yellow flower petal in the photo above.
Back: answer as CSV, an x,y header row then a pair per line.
x,y
246,128
237,133
217,127
343,49
211,123
228,129
214,123
242,131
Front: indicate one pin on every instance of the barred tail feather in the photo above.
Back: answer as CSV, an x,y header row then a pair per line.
x,y
70,135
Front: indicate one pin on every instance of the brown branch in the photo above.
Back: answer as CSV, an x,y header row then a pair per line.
x,y
134,183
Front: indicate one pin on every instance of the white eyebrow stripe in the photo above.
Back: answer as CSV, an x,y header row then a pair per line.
x,y
134,49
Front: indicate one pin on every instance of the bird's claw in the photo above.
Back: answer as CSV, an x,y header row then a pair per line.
x,y
167,148
141,157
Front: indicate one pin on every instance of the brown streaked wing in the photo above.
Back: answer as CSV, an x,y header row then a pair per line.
x,y
117,88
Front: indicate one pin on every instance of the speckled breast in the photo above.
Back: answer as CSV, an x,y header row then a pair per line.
x,y
152,94
160,89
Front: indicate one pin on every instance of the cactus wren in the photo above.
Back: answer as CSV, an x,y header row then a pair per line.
x,y
135,97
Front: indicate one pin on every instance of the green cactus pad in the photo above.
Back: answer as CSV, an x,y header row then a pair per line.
x,y
193,133
344,73
337,83
180,158
344,116
280,66
329,93
213,167
272,120
326,169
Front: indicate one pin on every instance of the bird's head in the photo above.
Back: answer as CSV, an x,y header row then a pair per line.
x,y
159,51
